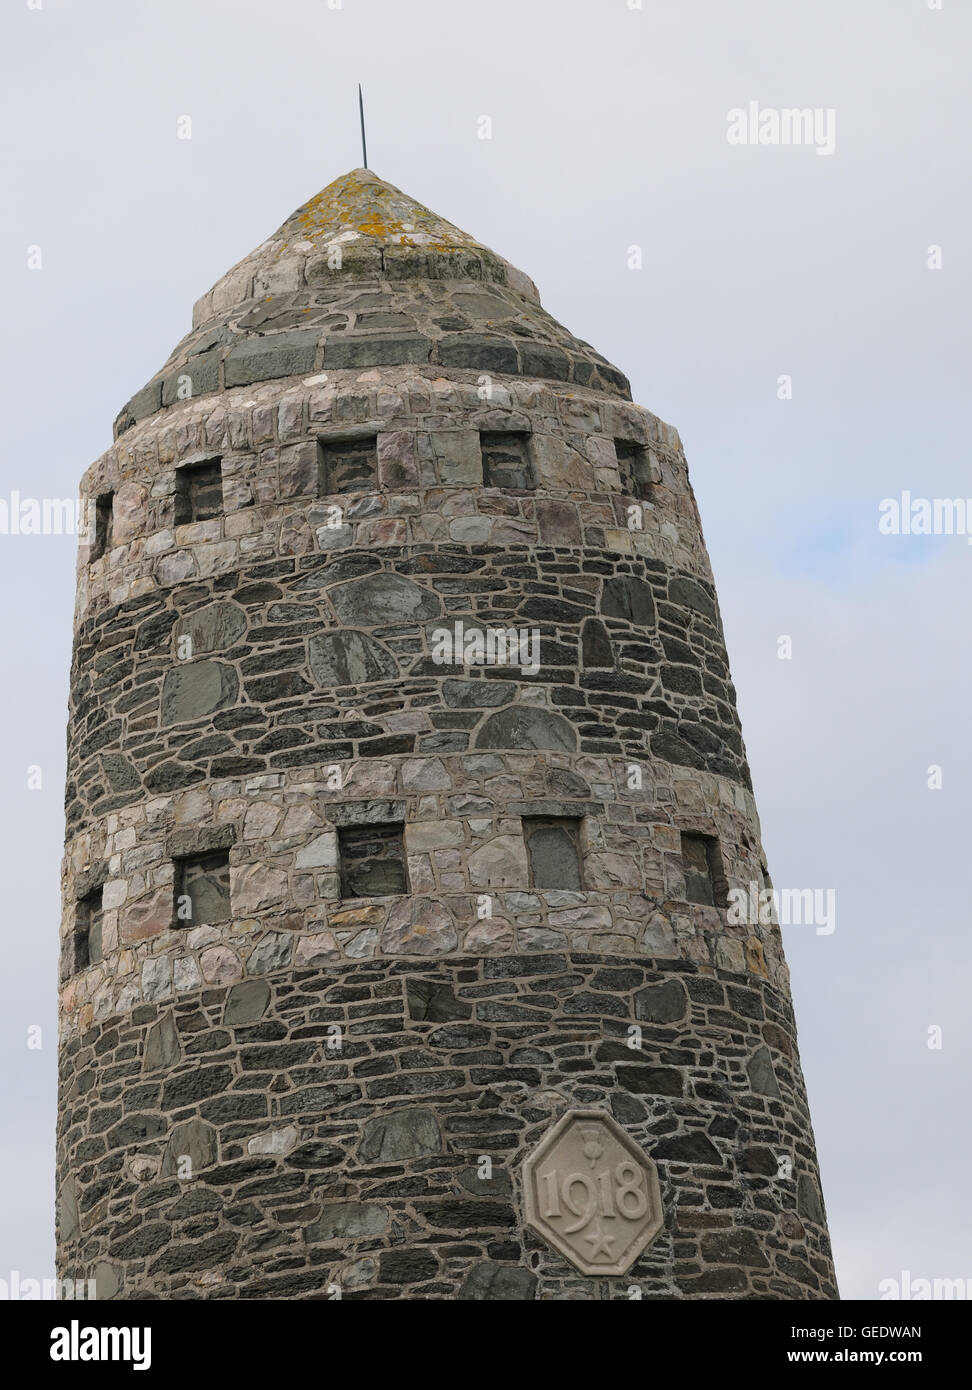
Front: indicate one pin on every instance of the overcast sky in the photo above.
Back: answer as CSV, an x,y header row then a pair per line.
x,y
608,131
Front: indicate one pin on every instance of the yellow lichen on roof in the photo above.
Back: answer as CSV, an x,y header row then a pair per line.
x,y
369,209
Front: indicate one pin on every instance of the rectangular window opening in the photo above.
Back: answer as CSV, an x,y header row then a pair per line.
x,y
202,889
506,459
89,916
372,860
104,525
705,879
554,852
347,465
635,469
199,492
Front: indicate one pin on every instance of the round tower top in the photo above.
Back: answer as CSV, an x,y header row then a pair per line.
x,y
364,276
361,212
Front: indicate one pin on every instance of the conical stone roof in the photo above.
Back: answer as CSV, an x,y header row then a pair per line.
x,y
364,276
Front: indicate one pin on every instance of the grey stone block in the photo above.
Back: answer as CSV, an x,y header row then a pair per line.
x,y
108,1280
120,772
382,811
630,598
540,359
280,354
195,1141
809,1204
195,377
372,350
349,658
480,352
68,1216
493,1283
523,727
402,1134
663,1003
213,628
197,689
246,1002
162,1047
146,402
348,1221
552,807
477,694
383,598
90,879
762,1077
199,839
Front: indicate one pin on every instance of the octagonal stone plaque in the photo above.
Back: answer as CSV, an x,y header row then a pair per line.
x,y
592,1194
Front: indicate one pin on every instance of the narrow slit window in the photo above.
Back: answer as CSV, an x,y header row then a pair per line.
x,y
89,916
199,492
705,880
635,469
372,861
202,885
347,465
104,525
506,460
553,851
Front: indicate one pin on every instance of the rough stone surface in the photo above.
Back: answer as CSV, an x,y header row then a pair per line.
x,y
212,629
375,1149
665,1003
191,1147
761,1075
197,690
247,1002
350,658
489,1282
399,1135
524,727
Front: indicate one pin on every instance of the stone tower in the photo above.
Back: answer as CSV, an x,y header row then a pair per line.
x,y
406,791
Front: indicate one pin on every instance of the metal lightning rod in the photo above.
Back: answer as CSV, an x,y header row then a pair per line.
x,y
364,146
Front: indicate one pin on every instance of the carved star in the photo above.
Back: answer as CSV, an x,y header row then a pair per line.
x,y
599,1242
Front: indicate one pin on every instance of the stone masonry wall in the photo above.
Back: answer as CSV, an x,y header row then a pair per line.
x,y
352,1162
309,664
259,682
